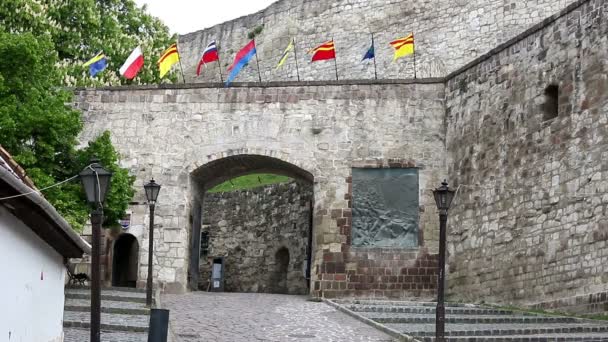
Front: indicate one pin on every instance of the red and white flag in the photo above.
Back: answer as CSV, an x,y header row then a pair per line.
x,y
133,64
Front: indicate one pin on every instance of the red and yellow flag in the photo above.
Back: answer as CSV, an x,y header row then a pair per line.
x,y
324,51
166,61
403,46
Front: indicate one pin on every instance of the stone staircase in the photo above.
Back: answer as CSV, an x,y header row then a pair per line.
x,y
473,323
124,317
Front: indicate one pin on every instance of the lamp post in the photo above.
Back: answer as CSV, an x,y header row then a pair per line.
x,y
96,182
443,198
152,189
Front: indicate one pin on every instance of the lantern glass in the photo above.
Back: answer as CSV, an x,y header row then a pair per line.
x,y
443,196
95,181
152,189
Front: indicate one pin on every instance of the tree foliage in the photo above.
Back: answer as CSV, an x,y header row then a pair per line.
x,y
40,130
79,29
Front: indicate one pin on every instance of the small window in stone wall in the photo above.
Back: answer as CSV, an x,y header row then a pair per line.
x,y
551,105
204,250
385,207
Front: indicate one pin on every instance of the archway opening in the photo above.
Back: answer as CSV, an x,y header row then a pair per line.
x,y
278,278
124,261
256,213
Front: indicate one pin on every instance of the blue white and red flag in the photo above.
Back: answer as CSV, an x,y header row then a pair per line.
x,y
209,55
242,58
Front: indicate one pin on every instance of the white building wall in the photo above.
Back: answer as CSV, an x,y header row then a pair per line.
x,y
32,288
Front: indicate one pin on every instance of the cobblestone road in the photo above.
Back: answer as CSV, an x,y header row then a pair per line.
x,y
247,317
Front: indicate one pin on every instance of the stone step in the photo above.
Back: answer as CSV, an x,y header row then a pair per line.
x,y
466,319
108,306
111,288
109,321
83,335
376,302
421,309
107,294
591,337
457,330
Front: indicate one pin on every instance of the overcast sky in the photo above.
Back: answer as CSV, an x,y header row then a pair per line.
x,y
185,16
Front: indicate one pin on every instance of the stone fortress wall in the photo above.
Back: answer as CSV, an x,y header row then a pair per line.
x,y
449,34
323,128
249,228
529,224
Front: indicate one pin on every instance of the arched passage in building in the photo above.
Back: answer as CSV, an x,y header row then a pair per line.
x,y
124,261
248,227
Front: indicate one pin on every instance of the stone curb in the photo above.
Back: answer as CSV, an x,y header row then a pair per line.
x,y
394,333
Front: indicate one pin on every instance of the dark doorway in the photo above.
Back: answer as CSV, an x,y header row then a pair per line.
x,y
124,261
278,278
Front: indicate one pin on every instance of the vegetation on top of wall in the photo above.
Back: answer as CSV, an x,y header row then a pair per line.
x,y
255,32
249,182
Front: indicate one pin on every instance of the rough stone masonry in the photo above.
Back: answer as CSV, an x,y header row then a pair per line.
x,y
528,225
448,33
263,235
190,138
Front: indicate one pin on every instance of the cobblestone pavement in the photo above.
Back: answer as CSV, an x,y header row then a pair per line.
x,y
250,317
83,335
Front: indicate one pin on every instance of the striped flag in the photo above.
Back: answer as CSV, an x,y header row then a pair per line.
x,y
324,51
210,54
403,46
168,58
133,64
288,49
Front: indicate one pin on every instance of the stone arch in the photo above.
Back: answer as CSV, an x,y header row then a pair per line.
x,y
125,257
222,167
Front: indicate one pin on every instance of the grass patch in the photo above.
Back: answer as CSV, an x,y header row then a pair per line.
x,y
249,182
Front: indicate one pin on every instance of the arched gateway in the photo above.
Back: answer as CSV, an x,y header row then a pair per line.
x,y
192,137
218,171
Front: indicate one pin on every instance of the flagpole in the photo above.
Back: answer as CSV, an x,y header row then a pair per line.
x,y
257,62
335,57
219,62
414,43
180,63
295,56
374,47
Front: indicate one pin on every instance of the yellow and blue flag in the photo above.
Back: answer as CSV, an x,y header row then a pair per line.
x,y
96,64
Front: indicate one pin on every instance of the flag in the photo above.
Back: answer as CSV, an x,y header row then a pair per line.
x,y
133,64
240,60
324,51
370,54
285,54
96,64
166,61
403,46
210,54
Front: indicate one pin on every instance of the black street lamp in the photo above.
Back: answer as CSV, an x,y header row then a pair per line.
x,y
96,182
443,198
152,189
